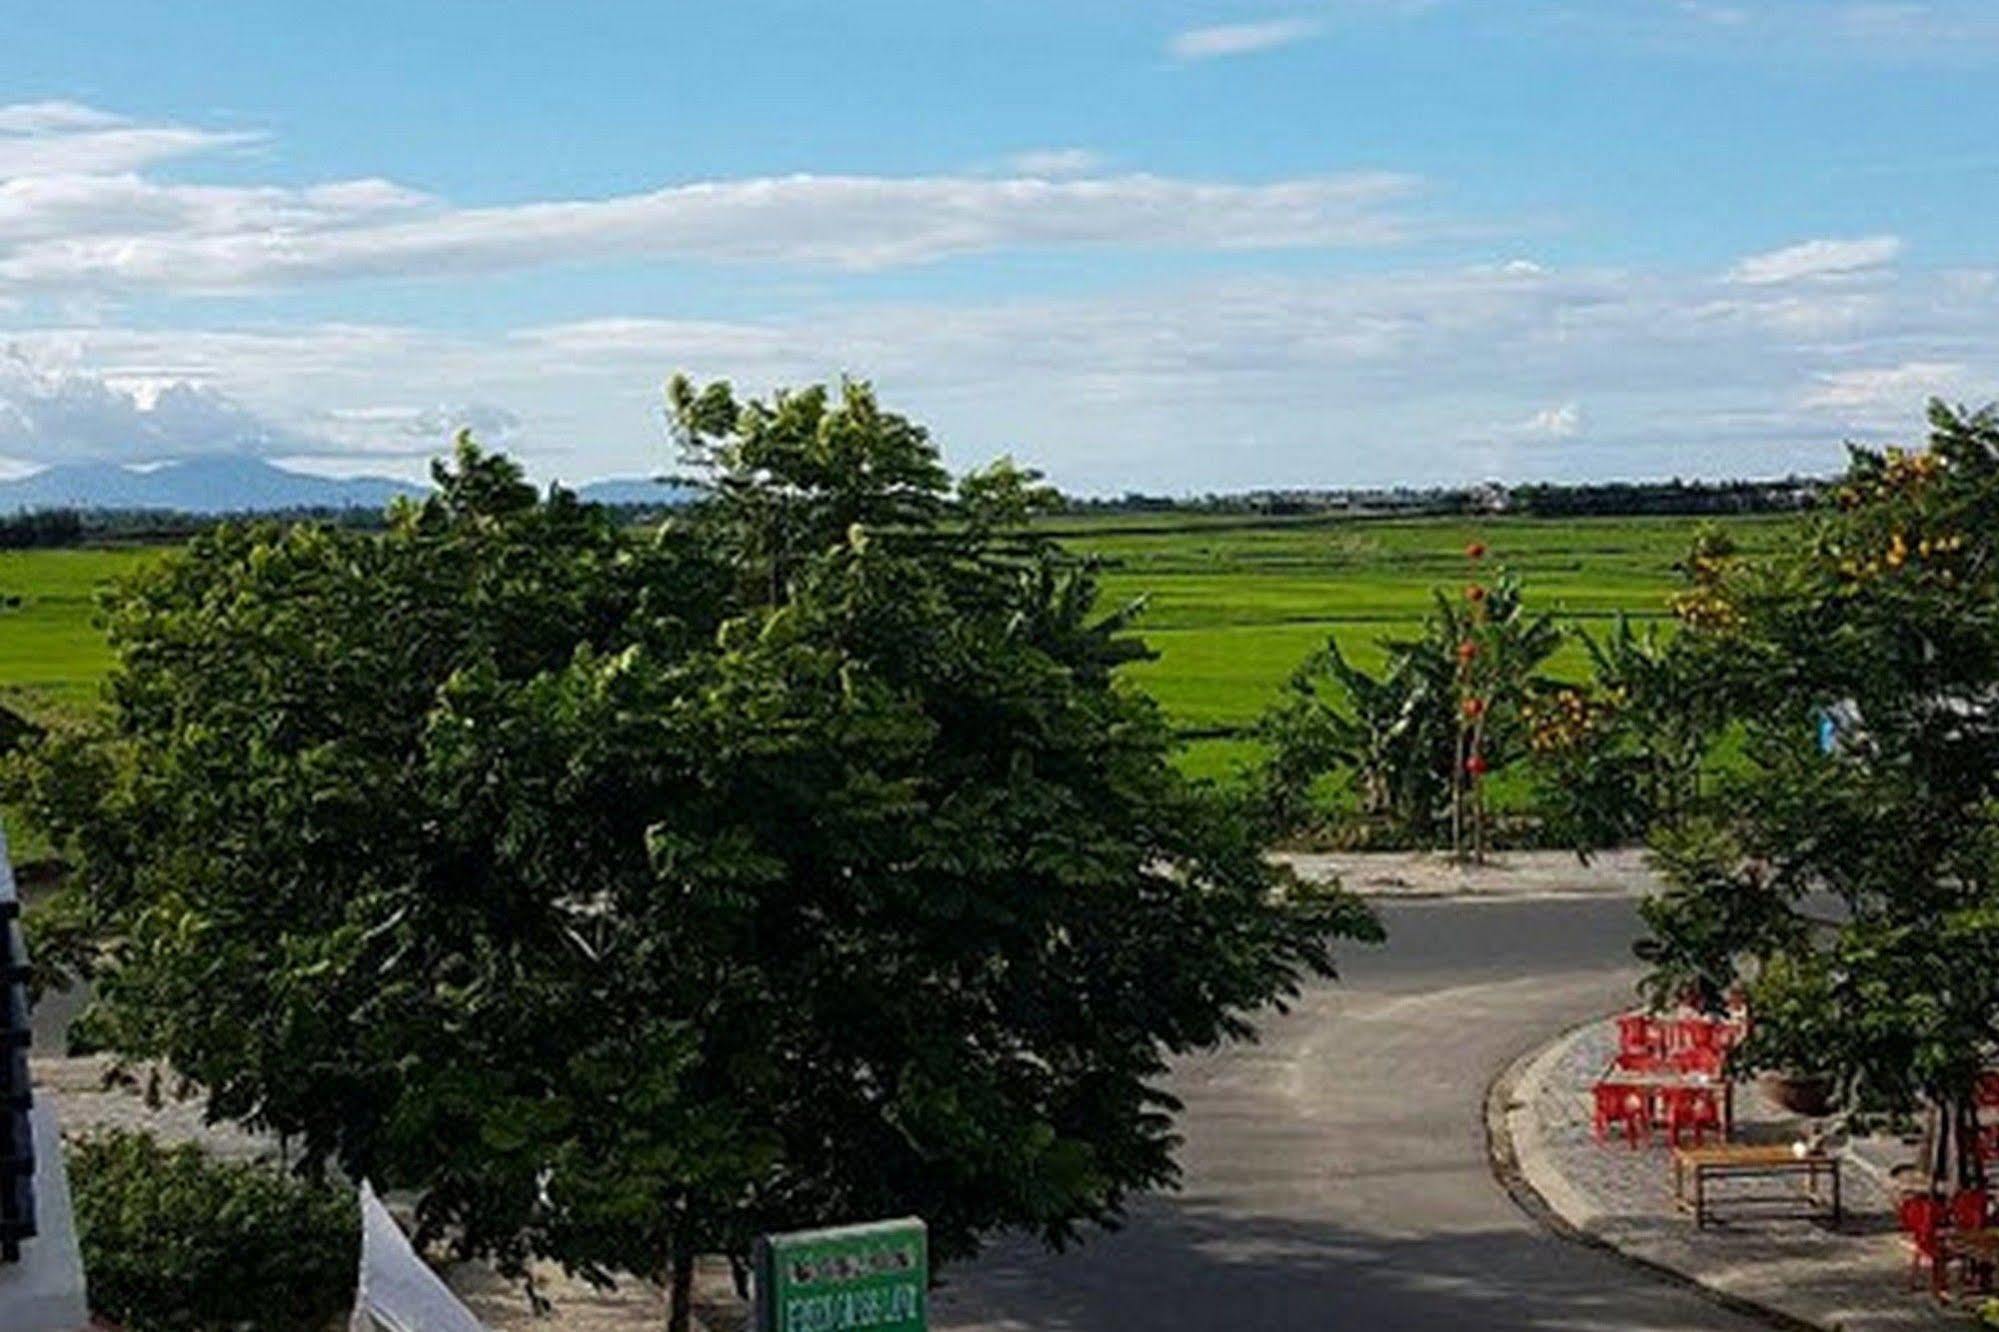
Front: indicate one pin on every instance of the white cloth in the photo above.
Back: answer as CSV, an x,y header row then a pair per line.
x,y
398,1291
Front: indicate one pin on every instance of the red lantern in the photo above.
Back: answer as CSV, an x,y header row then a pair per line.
x,y
1475,765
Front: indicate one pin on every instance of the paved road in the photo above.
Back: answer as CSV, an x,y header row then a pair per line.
x,y
1336,1174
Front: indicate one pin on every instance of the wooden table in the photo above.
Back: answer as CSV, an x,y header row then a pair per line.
x,y
1696,1166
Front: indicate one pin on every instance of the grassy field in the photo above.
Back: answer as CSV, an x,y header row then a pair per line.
x,y
51,654
1231,608
1232,605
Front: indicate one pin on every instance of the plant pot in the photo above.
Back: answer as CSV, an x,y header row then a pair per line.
x,y
1807,1094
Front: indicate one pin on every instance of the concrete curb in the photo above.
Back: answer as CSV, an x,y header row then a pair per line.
x,y
1490,895
1512,876
1520,1164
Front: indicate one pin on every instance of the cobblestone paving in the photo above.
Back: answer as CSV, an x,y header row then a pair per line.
x,y
1854,1277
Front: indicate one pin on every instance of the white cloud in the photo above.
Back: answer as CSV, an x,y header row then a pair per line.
x,y
1817,259
80,218
65,138
54,118
417,430
172,238
50,414
1233,39
49,215
1900,388
1152,389
1055,162
1225,383
1561,421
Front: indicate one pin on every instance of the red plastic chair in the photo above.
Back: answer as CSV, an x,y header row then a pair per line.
x,y
1707,1061
1923,1218
1642,1043
1677,1033
1638,1036
1688,1035
1695,1109
1621,1103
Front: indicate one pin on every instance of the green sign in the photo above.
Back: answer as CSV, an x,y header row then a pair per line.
x,y
874,1277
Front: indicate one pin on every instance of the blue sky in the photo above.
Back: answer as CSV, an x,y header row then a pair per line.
x,y
1167,246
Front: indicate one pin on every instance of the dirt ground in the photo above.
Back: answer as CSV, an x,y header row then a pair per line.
x,y
576,1307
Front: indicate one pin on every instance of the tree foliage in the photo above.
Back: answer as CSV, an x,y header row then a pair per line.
x,y
1464,710
174,1241
1391,733
804,862
1860,665
1419,741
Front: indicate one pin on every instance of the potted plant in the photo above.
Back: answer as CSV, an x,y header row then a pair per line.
x,y
1794,1033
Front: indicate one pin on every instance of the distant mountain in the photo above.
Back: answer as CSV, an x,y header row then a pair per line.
x,y
230,484
220,484
633,490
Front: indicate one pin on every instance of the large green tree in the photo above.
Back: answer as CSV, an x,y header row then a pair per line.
x,y
1849,867
626,896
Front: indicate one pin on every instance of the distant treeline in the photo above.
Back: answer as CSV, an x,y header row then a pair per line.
x,y
1546,499
39,528
1669,497
31,529
74,527
46,527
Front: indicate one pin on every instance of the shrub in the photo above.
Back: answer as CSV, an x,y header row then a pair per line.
x,y
175,1241
1426,739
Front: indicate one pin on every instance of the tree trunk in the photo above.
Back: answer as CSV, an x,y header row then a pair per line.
x,y
1457,797
1475,783
680,1292
1953,1161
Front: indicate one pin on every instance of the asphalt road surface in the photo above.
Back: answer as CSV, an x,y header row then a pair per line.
x,y
1337,1174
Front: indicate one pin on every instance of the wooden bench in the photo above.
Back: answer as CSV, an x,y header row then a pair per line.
x,y
1695,1167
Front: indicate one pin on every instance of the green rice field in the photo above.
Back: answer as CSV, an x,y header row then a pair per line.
x,y
1233,607
1231,604
51,653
